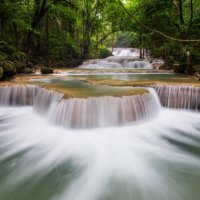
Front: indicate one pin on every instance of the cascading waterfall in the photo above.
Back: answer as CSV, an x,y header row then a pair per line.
x,y
139,64
126,52
44,99
18,95
103,111
158,159
155,160
123,58
82,113
100,111
180,97
115,62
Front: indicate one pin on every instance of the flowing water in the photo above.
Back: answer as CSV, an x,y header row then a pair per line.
x,y
126,52
126,58
157,158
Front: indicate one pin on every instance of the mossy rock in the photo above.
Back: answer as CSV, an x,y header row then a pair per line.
x,y
45,70
28,71
19,66
8,68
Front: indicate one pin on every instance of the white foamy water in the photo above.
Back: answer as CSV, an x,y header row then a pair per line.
x,y
83,113
155,160
126,52
103,111
184,97
127,58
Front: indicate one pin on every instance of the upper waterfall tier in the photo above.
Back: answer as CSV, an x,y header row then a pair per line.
x,y
18,95
114,62
133,52
122,58
185,97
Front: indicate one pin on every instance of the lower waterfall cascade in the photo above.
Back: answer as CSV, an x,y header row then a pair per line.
x,y
100,111
182,97
18,95
152,160
103,111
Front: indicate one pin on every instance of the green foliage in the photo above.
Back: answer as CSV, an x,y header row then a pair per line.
x,y
126,39
104,52
68,30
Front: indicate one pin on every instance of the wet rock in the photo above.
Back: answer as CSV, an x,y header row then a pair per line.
x,y
197,75
19,66
28,71
29,65
8,68
45,70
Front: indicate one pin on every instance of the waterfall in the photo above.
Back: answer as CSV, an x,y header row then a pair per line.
x,y
185,97
103,111
44,99
116,62
82,113
100,111
18,95
139,64
126,52
122,58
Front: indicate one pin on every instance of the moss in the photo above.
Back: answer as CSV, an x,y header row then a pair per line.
x,y
28,71
8,68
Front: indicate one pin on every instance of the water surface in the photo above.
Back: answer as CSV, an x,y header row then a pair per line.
x,y
155,160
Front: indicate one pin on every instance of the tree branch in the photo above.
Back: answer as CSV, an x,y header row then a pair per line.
x,y
105,36
154,30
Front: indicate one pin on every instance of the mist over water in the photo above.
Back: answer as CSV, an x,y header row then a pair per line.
x,y
154,159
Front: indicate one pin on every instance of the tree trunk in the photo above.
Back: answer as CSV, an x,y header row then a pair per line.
x,y
189,66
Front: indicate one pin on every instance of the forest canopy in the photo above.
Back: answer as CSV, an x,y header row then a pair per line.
x,y
66,32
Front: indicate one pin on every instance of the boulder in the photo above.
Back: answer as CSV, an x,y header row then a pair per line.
x,y
19,66
28,71
45,70
8,68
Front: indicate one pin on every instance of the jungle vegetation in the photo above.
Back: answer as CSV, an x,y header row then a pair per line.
x,y
63,33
